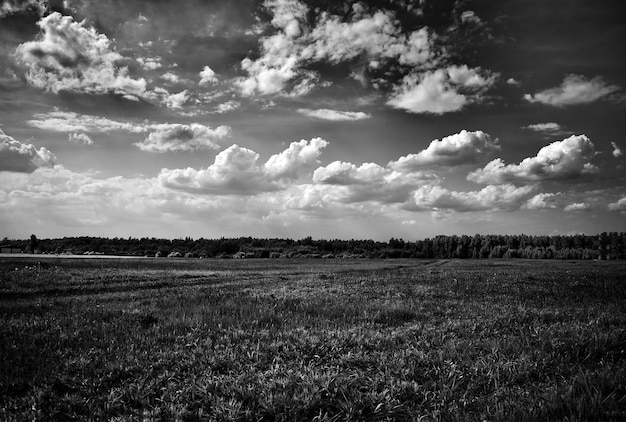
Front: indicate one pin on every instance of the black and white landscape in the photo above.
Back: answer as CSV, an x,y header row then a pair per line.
x,y
312,210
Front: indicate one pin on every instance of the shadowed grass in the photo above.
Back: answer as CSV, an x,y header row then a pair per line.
x,y
337,340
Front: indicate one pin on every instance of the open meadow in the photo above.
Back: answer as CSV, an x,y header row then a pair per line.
x,y
285,340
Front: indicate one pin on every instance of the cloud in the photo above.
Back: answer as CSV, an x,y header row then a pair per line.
x,y
617,151
468,16
541,201
575,89
65,121
173,101
80,138
561,160
619,205
440,91
335,115
374,38
150,63
544,127
578,206
69,56
501,197
207,76
458,149
18,157
171,77
299,154
512,81
236,171
348,183
162,137
227,106
178,137
9,7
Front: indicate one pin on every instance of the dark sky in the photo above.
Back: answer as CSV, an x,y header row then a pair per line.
x,y
361,119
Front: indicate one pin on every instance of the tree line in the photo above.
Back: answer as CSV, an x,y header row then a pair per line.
x,y
601,246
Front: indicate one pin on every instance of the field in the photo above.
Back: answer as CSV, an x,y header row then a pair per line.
x,y
289,340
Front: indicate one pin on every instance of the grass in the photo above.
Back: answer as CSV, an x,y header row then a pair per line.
x,y
323,340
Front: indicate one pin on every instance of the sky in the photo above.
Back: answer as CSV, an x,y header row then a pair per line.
x,y
294,118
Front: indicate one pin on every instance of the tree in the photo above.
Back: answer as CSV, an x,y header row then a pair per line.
x,y
33,244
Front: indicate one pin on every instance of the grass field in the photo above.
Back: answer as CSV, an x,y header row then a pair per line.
x,y
287,340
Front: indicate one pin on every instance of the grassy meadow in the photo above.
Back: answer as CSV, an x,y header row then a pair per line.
x,y
315,340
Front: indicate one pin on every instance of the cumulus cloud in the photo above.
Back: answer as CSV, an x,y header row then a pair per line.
x,y
207,76
617,151
512,81
368,182
575,89
619,205
502,197
299,154
179,137
150,63
541,201
335,115
284,55
80,138
440,91
462,148
69,56
173,101
566,159
236,170
16,156
577,206
227,106
171,77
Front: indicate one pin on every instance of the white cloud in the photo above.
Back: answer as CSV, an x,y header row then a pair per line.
x,y
440,91
285,54
227,106
502,197
150,63
162,137
566,159
236,171
173,101
16,156
619,205
179,137
207,76
335,115
575,89
70,56
512,81
577,206
348,183
458,149
298,155
544,127
80,138
65,121
171,77
541,201
617,151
